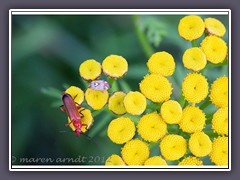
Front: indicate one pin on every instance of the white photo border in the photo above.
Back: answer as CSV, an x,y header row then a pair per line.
x,y
119,12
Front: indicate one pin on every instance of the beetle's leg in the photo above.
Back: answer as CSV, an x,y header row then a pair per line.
x,y
69,123
81,114
83,108
85,126
62,108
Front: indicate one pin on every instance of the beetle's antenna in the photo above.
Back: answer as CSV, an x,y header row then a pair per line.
x,y
90,138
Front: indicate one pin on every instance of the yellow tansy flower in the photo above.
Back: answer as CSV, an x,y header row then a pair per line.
x,y
121,130
151,127
86,119
161,63
219,154
220,121
191,161
200,144
115,66
173,147
114,160
195,88
171,112
135,152
135,103
95,98
215,49
191,27
90,70
214,27
193,119
194,59
156,88
155,161
115,103
76,93
219,92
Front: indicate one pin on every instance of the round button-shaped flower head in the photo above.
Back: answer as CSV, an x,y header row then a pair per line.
x,y
115,103
215,49
114,160
156,88
135,152
76,93
95,98
121,130
191,27
191,161
219,92
135,103
195,88
115,66
155,161
214,27
86,119
219,154
90,70
200,144
161,63
194,59
171,112
151,127
193,119
220,121
173,147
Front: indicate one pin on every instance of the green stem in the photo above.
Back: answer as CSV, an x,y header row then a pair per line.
x,y
194,43
210,65
142,38
205,104
154,106
95,113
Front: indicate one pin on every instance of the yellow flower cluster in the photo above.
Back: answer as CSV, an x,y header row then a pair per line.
x,y
150,118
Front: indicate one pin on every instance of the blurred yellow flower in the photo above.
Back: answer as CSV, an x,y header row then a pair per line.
x,y
114,160
115,66
151,127
76,93
215,49
219,154
121,130
195,88
155,161
135,103
194,59
200,144
161,63
95,98
191,161
220,121
173,147
86,119
193,119
90,70
171,112
135,152
219,92
214,27
156,88
115,103
191,27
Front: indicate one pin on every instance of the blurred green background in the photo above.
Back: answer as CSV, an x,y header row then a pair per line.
x,y
46,54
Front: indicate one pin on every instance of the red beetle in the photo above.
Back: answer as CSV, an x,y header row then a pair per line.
x,y
71,108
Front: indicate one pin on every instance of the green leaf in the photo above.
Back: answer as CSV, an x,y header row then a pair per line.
x,y
53,92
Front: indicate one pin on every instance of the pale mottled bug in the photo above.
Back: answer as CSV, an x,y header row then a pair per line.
x,y
100,85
